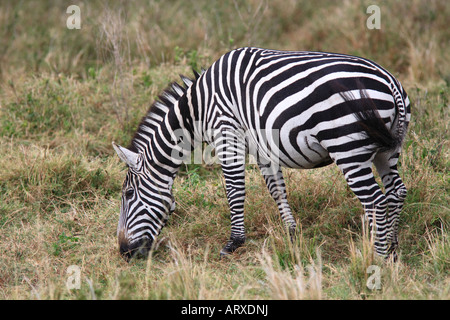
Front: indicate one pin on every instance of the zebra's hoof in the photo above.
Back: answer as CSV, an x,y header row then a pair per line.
x,y
293,232
231,246
392,253
224,253
391,257
394,256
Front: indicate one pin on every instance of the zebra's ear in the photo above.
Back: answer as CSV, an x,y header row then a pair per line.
x,y
132,159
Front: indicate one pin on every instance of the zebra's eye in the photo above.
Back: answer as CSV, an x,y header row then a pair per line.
x,y
129,194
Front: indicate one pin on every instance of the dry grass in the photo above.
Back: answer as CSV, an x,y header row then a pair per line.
x,y
66,94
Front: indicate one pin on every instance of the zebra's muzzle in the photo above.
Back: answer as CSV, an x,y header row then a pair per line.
x,y
136,249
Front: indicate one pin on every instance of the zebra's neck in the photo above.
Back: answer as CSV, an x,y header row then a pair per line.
x,y
165,135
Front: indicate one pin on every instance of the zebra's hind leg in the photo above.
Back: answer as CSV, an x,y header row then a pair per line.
x,y
359,177
273,177
386,164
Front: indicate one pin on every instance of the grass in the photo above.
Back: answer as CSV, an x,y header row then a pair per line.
x,y
66,94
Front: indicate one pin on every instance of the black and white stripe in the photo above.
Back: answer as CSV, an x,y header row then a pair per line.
x,y
292,109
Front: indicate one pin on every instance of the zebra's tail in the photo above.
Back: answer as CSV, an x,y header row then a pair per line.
x,y
371,123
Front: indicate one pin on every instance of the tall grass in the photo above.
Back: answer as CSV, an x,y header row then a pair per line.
x,y
66,94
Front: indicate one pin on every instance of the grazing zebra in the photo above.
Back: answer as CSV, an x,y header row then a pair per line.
x,y
287,109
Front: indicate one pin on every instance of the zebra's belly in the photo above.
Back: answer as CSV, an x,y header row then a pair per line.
x,y
303,164
305,153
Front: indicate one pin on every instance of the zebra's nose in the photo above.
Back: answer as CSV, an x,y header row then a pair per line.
x,y
125,251
136,249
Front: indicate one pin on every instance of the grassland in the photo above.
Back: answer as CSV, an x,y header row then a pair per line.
x,y
66,94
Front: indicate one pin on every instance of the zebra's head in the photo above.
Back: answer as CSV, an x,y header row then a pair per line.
x,y
145,207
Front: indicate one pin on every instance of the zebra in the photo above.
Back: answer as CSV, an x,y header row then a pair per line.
x,y
316,108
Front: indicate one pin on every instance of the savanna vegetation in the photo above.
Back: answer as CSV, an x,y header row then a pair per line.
x,y
66,94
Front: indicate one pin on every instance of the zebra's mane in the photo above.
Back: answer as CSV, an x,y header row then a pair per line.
x,y
165,101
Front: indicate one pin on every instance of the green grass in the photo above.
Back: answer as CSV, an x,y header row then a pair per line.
x,y
66,94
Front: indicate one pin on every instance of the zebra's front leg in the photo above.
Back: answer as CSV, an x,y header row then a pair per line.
x,y
231,154
273,177
235,187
